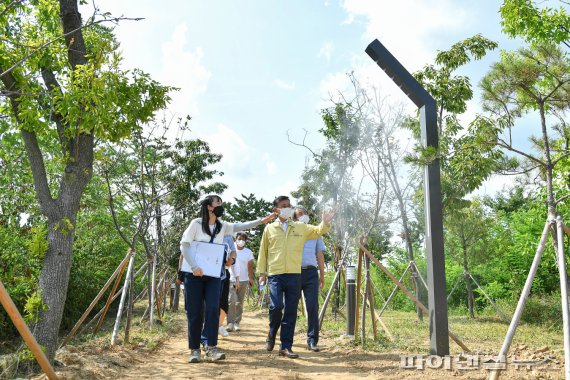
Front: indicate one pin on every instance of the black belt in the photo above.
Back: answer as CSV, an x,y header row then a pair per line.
x,y
309,267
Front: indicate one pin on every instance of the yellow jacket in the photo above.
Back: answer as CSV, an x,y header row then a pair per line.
x,y
281,253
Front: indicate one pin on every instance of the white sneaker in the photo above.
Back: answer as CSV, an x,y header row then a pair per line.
x,y
230,327
236,326
213,354
194,356
223,332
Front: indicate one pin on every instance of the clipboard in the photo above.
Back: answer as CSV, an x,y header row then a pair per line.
x,y
209,257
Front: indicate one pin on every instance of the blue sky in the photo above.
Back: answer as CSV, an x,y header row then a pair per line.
x,y
251,71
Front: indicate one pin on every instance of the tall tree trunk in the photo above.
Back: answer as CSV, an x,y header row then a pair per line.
x,y
53,282
414,272
470,297
393,178
551,202
176,300
549,166
61,212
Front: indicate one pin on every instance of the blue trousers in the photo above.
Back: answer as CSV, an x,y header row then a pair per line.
x,y
224,295
284,293
310,288
203,296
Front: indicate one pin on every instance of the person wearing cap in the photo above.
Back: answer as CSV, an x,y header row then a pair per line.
x,y
279,264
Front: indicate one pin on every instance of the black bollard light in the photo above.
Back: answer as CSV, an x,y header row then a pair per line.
x,y
350,300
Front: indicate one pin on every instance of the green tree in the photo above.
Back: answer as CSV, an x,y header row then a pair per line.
x,y
64,88
464,164
512,247
246,208
329,178
529,80
536,21
466,242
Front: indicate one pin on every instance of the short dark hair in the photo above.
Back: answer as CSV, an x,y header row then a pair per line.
x,y
301,208
242,235
279,199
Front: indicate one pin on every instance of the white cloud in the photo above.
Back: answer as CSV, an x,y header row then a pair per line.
x,y
236,160
284,85
184,69
246,169
326,51
284,188
407,26
408,29
494,185
270,165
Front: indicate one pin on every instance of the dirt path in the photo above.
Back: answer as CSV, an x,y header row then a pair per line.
x,y
247,359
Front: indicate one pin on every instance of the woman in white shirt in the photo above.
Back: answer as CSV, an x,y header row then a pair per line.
x,y
203,292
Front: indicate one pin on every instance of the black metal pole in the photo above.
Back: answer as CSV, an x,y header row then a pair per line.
x,y
350,300
437,292
437,302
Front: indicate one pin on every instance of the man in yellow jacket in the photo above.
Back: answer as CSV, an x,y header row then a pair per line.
x,y
279,263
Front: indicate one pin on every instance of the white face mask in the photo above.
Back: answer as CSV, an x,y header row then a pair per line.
x,y
286,213
240,243
303,219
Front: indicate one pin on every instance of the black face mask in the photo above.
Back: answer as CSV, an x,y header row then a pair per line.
x,y
218,211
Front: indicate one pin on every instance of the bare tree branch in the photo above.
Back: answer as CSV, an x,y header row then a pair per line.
x,y
112,208
53,85
303,144
503,144
562,198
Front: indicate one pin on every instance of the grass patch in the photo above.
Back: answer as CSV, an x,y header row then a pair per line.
x,y
484,333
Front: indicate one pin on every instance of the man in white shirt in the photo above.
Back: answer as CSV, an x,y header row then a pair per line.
x,y
240,286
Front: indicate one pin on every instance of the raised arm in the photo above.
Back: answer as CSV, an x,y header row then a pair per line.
x,y
314,232
238,227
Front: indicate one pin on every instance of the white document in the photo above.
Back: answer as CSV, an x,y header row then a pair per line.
x,y
209,257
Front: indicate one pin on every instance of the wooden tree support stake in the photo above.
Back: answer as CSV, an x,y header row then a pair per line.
x,y
499,311
94,302
25,332
410,296
393,291
334,282
117,294
111,296
123,297
370,302
382,324
494,374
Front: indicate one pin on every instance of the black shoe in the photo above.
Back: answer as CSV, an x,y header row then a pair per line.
x,y
288,353
269,343
313,347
